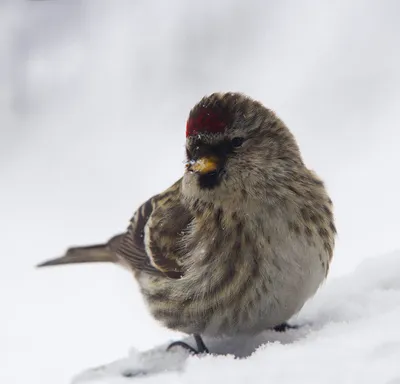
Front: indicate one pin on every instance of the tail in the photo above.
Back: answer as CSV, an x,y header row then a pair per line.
x,y
100,253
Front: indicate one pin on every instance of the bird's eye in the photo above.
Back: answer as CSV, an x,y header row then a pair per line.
x,y
237,142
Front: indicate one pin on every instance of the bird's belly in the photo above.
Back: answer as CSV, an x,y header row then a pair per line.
x,y
266,303
257,313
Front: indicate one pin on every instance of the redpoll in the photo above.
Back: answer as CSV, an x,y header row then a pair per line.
x,y
238,244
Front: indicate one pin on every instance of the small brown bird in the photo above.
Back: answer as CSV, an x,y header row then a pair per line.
x,y
238,244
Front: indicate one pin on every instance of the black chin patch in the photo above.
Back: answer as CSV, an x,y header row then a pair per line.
x,y
209,180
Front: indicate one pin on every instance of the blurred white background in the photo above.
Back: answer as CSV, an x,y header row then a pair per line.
x,y
94,96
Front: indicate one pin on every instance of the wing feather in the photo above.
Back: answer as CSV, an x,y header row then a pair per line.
x,y
151,243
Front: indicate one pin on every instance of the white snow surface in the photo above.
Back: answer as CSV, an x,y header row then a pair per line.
x,y
349,333
94,96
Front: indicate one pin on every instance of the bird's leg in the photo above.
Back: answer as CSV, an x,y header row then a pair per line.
x,y
201,347
284,327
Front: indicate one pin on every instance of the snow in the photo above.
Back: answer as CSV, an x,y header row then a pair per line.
x,y
93,100
349,334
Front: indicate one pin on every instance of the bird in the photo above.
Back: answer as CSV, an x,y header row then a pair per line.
x,y
241,241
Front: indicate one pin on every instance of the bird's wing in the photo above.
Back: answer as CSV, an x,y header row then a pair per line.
x,y
152,241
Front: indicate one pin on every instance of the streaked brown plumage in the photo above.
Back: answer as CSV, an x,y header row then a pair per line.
x,y
242,240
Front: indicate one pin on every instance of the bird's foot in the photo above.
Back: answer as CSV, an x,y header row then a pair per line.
x,y
201,347
284,327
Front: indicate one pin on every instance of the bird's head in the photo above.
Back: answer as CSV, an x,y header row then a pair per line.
x,y
235,147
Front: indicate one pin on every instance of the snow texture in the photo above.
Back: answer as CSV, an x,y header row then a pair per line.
x,y
349,334
94,96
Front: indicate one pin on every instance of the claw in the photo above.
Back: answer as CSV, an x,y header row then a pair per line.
x,y
284,327
201,347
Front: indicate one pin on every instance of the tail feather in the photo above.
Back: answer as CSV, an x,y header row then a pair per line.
x,y
89,254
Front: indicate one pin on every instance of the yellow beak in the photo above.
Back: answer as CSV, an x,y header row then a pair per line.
x,y
203,165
